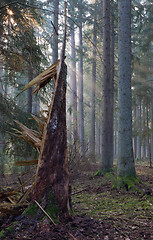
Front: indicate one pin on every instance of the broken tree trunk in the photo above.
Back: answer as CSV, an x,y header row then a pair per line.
x,y
52,178
51,188
52,174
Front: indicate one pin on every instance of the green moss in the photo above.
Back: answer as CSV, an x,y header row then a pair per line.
x,y
109,171
2,234
105,205
147,184
128,182
98,173
104,172
52,208
31,210
136,189
9,229
117,182
109,176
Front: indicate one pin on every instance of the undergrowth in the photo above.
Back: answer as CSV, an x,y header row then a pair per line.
x,y
118,182
110,196
9,229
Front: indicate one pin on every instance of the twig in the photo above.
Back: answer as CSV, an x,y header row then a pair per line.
x,y
21,184
45,213
72,236
54,28
80,190
11,200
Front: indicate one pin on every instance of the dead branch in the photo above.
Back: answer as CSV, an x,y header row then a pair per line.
x,y
45,212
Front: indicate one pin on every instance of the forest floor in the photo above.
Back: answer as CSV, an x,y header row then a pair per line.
x,y
100,211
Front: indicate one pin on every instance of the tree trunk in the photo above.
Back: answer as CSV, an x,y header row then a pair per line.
x,y
73,82
80,88
35,105
138,119
52,175
144,127
52,187
148,137
112,42
29,110
107,120
2,142
55,35
135,137
151,109
126,166
151,132
115,136
29,104
93,87
98,135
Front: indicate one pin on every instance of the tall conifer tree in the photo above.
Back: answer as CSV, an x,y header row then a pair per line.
x,y
126,165
107,117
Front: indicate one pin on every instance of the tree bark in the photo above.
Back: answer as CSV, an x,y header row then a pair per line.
x,y
151,132
107,120
52,175
126,166
115,136
80,88
148,136
98,135
73,81
29,104
93,87
138,119
112,43
2,142
144,127
135,137
55,35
